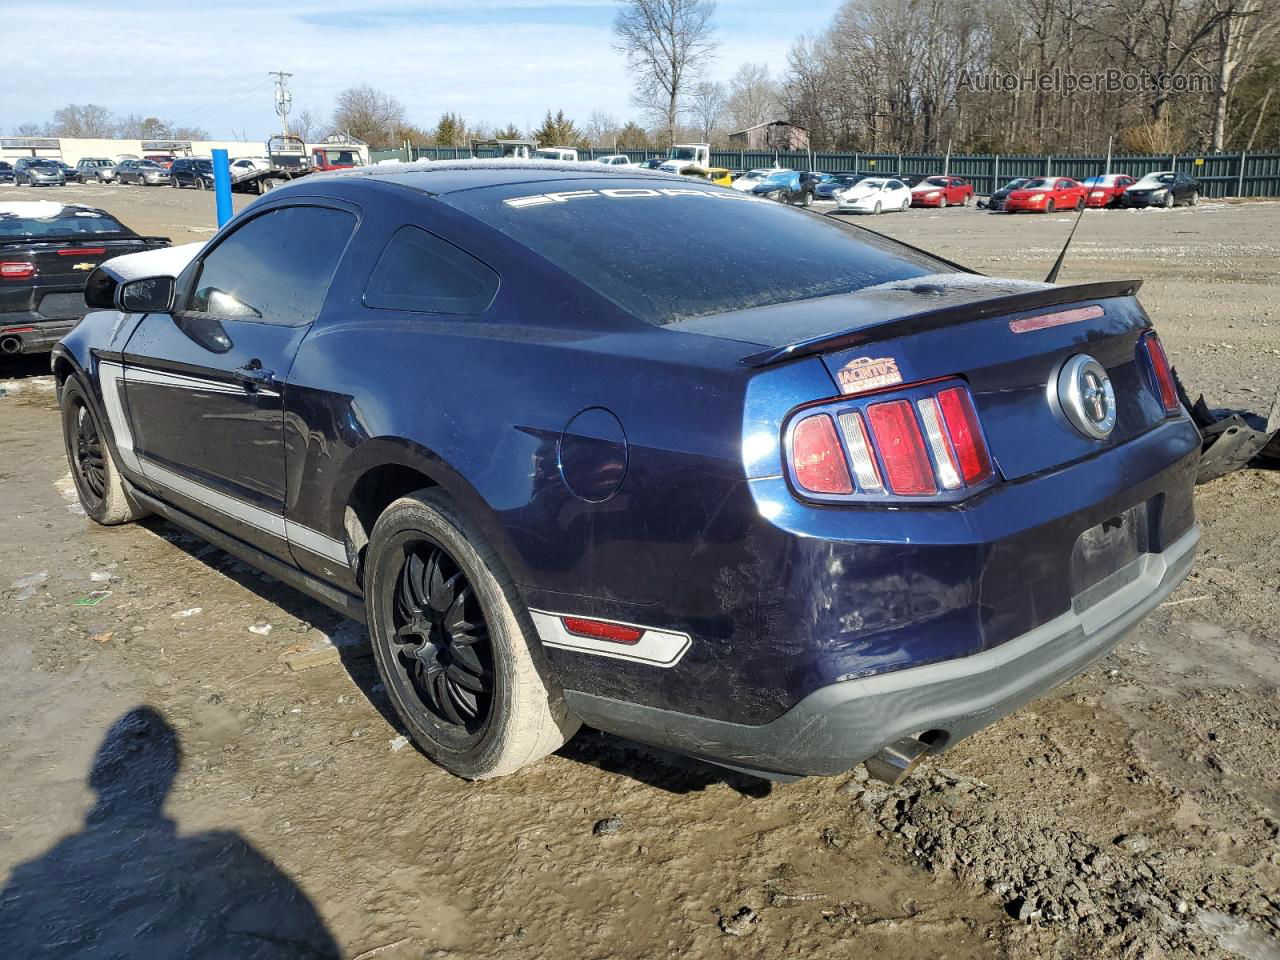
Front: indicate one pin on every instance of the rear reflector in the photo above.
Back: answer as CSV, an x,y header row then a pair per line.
x,y
966,436
817,457
82,251
16,270
601,630
1162,372
897,436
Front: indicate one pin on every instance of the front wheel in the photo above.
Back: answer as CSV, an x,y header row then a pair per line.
x,y
807,200
1080,204
906,205
1049,207
454,644
965,201
876,211
1195,198
93,468
1168,201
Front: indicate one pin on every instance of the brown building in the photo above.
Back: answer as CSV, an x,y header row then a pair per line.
x,y
774,135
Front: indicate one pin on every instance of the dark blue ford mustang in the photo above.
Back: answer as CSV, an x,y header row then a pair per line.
x,y
688,466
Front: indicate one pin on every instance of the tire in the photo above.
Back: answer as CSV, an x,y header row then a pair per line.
x,y
480,708
1050,207
1079,204
906,205
199,184
807,200
1168,201
1195,198
876,210
965,201
93,468
173,182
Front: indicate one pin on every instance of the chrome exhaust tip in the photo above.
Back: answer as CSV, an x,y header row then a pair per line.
x,y
894,763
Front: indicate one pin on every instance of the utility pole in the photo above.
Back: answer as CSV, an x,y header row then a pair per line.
x,y
284,99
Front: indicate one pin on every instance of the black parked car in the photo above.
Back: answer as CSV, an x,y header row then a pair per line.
x,y
1162,189
788,186
997,199
193,171
70,173
6,171
47,250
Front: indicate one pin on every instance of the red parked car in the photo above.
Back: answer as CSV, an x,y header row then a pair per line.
x,y
941,192
1104,191
1047,194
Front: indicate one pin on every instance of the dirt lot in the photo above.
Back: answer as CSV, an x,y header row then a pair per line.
x,y
168,787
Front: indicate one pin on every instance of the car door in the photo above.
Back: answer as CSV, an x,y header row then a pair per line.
x,y
204,384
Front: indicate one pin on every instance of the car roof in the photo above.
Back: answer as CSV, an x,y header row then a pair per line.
x,y
439,177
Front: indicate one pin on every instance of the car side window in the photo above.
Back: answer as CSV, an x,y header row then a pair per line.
x,y
275,268
418,271
895,185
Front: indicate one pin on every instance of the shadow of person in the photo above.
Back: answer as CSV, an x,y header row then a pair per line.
x,y
128,885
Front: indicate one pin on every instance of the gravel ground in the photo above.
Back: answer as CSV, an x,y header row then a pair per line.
x,y
1134,813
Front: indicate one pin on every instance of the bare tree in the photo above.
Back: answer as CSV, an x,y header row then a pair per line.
x,y
667,44
31,129
753,96
84,120
307,124
706,108
368,114
602,129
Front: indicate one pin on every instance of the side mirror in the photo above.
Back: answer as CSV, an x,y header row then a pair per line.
x,y
100,290
150,295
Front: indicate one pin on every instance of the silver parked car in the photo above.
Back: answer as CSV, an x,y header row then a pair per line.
x,y
38,172
100,169
142,172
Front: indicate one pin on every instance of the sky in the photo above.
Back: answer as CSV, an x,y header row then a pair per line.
x,y
493,61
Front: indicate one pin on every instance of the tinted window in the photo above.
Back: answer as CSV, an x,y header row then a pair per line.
x,y
274,268
419,271
670,252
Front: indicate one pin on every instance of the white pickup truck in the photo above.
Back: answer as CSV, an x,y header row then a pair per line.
x,y
555,153
685,155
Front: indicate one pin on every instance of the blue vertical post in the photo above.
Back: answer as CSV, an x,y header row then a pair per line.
x,y
222,185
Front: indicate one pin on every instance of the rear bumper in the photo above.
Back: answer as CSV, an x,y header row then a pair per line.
x,y
33,336
839,725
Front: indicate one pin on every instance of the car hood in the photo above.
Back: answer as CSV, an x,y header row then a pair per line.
x,y
926,188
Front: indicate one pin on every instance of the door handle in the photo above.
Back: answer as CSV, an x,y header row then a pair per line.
x,y
254,376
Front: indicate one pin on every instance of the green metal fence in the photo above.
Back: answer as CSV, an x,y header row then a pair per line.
x,y
1220,174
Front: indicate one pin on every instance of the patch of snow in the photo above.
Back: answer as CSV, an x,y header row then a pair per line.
x,y
189,612
40,209
164,262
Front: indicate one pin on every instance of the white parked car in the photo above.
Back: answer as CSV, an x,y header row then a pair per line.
x,y
875,195
555,153
615,160
249,164
752,177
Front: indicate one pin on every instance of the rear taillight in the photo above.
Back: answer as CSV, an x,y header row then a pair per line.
x,y
916,442
82,251
1161,372
817,458
17,270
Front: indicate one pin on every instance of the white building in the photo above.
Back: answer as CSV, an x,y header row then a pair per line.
x,y
72,149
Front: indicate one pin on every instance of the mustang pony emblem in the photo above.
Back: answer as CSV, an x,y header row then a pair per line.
x,y
868,373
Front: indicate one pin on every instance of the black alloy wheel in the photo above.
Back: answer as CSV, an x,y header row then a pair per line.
x,y
90,465
443,654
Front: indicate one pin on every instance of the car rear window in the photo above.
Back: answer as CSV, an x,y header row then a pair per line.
x,y
420,272
44,220
666,252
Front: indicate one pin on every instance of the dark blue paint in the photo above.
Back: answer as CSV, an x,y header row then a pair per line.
x,y
677,512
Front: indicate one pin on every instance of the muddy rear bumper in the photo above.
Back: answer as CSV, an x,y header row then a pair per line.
x,y
841,724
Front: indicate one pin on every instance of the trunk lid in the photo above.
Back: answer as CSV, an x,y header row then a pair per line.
x,y
1007,338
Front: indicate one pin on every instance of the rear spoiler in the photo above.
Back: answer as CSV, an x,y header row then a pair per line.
x,y
85,241
926,320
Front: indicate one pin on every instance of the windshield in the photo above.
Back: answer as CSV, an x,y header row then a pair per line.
x,y
42,165
1038,183
683,153
1015,184
935,182
1155,180
150,165
341,156
778,178
44,220
750,252
845,178
871,184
